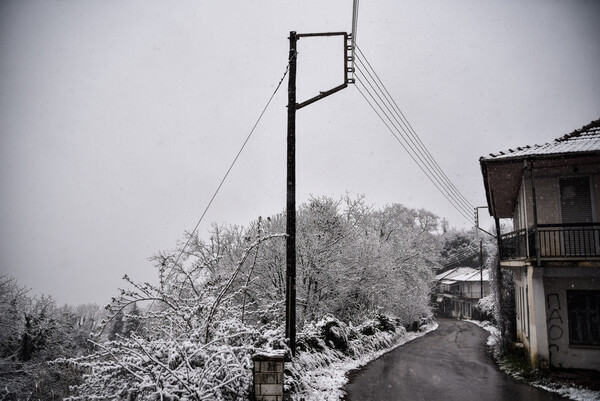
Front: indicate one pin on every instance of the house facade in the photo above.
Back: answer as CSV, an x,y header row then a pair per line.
x,y
459,290
551,193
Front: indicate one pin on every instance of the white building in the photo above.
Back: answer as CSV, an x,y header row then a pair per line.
x,y
552,194
460,289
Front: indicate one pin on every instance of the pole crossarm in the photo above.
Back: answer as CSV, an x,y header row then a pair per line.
x,y
320,96
348,57
477,220
308,35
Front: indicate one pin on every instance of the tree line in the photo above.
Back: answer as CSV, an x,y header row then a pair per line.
x,y
219,300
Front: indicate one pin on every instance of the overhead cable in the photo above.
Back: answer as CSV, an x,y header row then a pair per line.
x,y
233,162
452,262
411,131
436,173
396,134
405,134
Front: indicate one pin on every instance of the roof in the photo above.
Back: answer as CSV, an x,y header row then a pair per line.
x,y
584,140
502,171
462,274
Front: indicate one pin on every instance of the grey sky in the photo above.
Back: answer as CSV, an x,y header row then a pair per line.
x,y
118,119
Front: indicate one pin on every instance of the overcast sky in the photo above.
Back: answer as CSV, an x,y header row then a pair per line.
x,y
118,119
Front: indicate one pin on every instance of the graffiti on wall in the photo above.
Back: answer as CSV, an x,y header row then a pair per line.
x,y
555,322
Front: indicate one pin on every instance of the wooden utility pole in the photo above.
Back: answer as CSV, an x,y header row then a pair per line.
x,y
481,266
290,294
290,243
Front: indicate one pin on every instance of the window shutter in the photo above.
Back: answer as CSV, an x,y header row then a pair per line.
x,y
575,200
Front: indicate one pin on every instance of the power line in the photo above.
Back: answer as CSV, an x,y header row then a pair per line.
x,y
463,253
411,143
406,135
232,164
452,201
227,173
414,134
458,260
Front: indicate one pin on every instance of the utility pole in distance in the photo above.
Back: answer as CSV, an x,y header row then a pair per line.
x,y
290,294
481,267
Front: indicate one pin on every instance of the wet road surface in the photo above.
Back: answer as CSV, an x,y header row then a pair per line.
x,y
448,364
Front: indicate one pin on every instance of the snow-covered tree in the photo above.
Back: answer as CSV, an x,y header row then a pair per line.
x,y
33,332
194,345
219,301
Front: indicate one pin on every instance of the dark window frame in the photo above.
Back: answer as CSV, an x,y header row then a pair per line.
x,y
583,308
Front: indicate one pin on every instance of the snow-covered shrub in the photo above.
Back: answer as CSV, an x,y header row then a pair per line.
x,y
486,307
309,340
385,323
335,333
218,302
199,333
380,322
170,368
310,372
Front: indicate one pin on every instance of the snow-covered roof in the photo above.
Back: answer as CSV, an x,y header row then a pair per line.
x,y
462,274
583,140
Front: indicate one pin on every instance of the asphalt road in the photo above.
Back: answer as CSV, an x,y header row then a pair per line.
x,y
448,364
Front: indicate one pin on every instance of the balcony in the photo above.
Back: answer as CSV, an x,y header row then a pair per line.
x,y
557,242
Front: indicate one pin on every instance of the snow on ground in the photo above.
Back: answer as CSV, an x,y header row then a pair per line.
x,y
326,382
572,393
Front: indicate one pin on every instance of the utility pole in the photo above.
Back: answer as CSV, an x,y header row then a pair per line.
x,y
290,243
481,266
290,294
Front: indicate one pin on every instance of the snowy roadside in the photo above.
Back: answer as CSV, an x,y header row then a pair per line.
x,y
572,393
325,383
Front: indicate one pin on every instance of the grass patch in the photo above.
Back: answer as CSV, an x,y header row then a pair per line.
x,y
517,363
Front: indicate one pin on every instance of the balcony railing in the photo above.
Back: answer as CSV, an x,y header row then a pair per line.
x,y
556,241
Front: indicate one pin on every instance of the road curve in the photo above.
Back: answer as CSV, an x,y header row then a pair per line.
x,y
448,364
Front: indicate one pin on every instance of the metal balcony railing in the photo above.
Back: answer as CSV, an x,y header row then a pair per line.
x,y
556,241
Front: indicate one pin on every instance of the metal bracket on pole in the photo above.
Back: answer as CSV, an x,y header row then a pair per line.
x,y
348,57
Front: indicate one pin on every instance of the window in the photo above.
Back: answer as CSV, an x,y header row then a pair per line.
x,y
575,200
576,208
584,317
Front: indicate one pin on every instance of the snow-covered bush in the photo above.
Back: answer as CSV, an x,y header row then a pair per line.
x,y
335,333
486,307
218,302
330,341
171,368
199,333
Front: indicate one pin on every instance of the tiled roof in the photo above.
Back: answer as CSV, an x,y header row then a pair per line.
x,y
583,140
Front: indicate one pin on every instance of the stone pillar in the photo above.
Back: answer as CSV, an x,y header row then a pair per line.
x,y
268,376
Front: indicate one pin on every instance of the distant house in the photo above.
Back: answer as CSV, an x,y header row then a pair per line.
x,y
459,290
552,194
